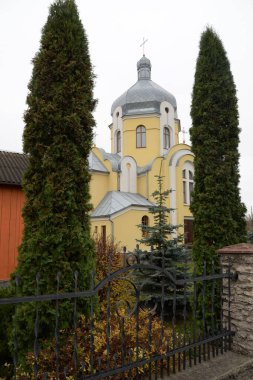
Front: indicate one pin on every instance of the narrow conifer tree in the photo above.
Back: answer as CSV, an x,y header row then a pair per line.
x,y
166,252
58,138
217,208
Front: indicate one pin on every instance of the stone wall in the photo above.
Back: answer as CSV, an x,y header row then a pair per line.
x,y
240,308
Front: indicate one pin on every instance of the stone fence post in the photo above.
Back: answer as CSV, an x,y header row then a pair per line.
x,y
240,257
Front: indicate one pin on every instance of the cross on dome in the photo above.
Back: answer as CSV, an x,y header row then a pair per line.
x,y
184,133
143,44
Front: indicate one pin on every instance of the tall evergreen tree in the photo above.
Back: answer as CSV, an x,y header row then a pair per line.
x,y
217,208
58,138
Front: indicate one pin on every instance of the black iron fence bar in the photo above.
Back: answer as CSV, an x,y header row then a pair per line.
x,y
232,276
204,309
184,316
36,332
156,358
56,330
229,303
92,293
47,297
179,346
221,285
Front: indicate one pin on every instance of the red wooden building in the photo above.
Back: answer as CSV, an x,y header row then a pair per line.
x,y
12,166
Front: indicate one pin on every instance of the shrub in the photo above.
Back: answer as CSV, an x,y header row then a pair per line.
x,y
122,340
113,337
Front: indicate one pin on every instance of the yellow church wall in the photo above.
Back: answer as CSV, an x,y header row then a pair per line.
x,y
161,165
158,167
142,187
125,227
177,148
115,227
99,186
98,153
183,210
141,155
113,181
97,227
112,177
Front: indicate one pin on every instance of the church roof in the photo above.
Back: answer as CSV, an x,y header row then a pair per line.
x,y
145,96
12,167
114,159
95,165
115,201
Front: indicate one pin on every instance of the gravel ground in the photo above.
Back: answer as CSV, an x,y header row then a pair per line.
x,y
230,366
245,375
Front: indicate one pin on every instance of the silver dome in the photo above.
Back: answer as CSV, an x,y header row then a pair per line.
x,y
145,96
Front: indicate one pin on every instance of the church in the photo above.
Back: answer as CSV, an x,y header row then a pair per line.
x,y
144,143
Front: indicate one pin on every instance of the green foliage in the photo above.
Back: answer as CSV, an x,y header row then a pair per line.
x,y
167,251
119,330
102,358
109,259
58,138
216,206
250,237
6,313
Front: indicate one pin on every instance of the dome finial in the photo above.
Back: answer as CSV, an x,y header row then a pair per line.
x,y
144,68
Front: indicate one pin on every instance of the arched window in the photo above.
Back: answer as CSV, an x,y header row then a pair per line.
x,y
141,136
166,138
118,142
188,185
145,224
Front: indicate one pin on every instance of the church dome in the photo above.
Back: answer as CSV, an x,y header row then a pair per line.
x,y
145,96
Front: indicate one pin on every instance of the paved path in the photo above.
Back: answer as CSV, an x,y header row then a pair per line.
x,y
230,366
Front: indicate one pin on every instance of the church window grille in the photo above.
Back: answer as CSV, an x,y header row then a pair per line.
x,y
118,142
188,185
190,190
141,137
166,138
184,192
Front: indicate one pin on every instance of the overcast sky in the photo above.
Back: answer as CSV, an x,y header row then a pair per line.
x,y
115,30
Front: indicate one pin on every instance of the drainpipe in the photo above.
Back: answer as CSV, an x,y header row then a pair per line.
x,y
147,187
112,228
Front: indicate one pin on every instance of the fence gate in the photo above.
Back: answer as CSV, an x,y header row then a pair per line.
x,y
140,321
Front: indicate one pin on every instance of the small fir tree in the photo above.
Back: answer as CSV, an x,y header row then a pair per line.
x,y
58,138
166,248
216,206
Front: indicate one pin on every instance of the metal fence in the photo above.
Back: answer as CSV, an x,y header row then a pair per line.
x,y
129,333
